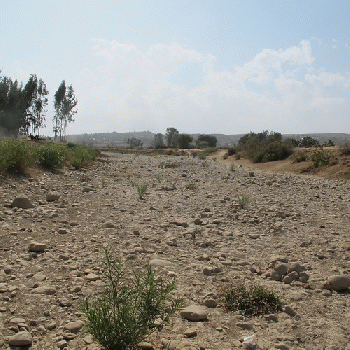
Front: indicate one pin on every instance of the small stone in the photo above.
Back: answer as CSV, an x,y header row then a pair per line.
x,y
289,311
92,277
194,313
22,202
52,196
190,333
109,224
45,290
211,303
210,270
37,247
74,327
51,325
338,283
21,339
281,269
159,262
145,346
245,325
62,344
62,231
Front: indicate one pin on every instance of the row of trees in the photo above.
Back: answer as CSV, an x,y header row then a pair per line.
x,y
173,139
23,108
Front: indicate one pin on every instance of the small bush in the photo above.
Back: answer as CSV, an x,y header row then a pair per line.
x,y
345,150
123,315
203,154
140,188
50,156
15,156
300,157
191,186
320,157
225,156
243,201
81,156
168,165
231,151
251,301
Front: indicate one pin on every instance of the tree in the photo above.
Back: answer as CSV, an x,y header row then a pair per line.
x,y
170,136
184,140
65,101
37,109
206,141
13,105
134,143
158,141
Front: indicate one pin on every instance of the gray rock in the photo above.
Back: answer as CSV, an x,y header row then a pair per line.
x,y
22,202
338,283
74,327
21,339
37,247
210,270
45,290
194,313
52,196
159,262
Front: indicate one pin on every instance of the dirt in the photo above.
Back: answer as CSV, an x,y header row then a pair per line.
x,y
193,218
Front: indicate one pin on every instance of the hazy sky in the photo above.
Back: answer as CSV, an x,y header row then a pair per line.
x,y
201,66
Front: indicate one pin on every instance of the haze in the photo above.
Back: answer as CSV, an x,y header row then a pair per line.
x,y
200,66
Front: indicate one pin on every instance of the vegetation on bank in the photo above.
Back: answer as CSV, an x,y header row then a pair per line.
x,y
18,156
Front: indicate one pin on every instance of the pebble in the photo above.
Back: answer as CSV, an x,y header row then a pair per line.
x,y
194,313
338,283
22,202
22,338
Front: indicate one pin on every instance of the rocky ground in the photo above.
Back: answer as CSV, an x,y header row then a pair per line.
x,y
200,220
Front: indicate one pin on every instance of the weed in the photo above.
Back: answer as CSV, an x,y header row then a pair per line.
x,y
345,150
128,307
225,156
191,186
320,157
141,188
104,182
51,156
233,169
168,165
15,156
300,157
252,301
243,201
203,154
251,174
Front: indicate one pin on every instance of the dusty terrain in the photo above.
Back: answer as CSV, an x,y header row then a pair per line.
x,y
191,219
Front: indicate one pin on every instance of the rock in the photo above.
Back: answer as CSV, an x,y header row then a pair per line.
x,y
52,196
62,231
245,325
22,202
190,333
145,346
281,269
194,313
109,224
37,247
74,327
159,262
92,277
45,290
289,311
210,270
211,303
21,339
338,283
62,344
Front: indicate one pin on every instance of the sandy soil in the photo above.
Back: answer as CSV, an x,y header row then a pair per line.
x,y
192,219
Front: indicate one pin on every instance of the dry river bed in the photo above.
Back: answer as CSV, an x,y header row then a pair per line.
x,y
291,235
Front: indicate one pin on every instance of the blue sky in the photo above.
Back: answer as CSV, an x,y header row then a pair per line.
x,y
200,66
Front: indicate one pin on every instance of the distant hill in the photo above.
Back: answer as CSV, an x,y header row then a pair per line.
x,y
115,139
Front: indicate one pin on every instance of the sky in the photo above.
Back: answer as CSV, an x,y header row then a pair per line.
x,y
228,67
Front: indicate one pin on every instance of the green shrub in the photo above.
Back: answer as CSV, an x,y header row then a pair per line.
x,y
203,154
15,156
51,156
251,301
225,155
300,157
169,165
140,188
128,307
243,201
345,150
81,156
320,157
231,151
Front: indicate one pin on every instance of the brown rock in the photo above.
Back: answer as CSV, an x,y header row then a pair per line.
x,y
21,339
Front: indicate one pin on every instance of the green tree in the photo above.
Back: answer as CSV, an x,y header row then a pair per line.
x,y
65,102
184,140
171,137
134,143
13,105
158,141
206,141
